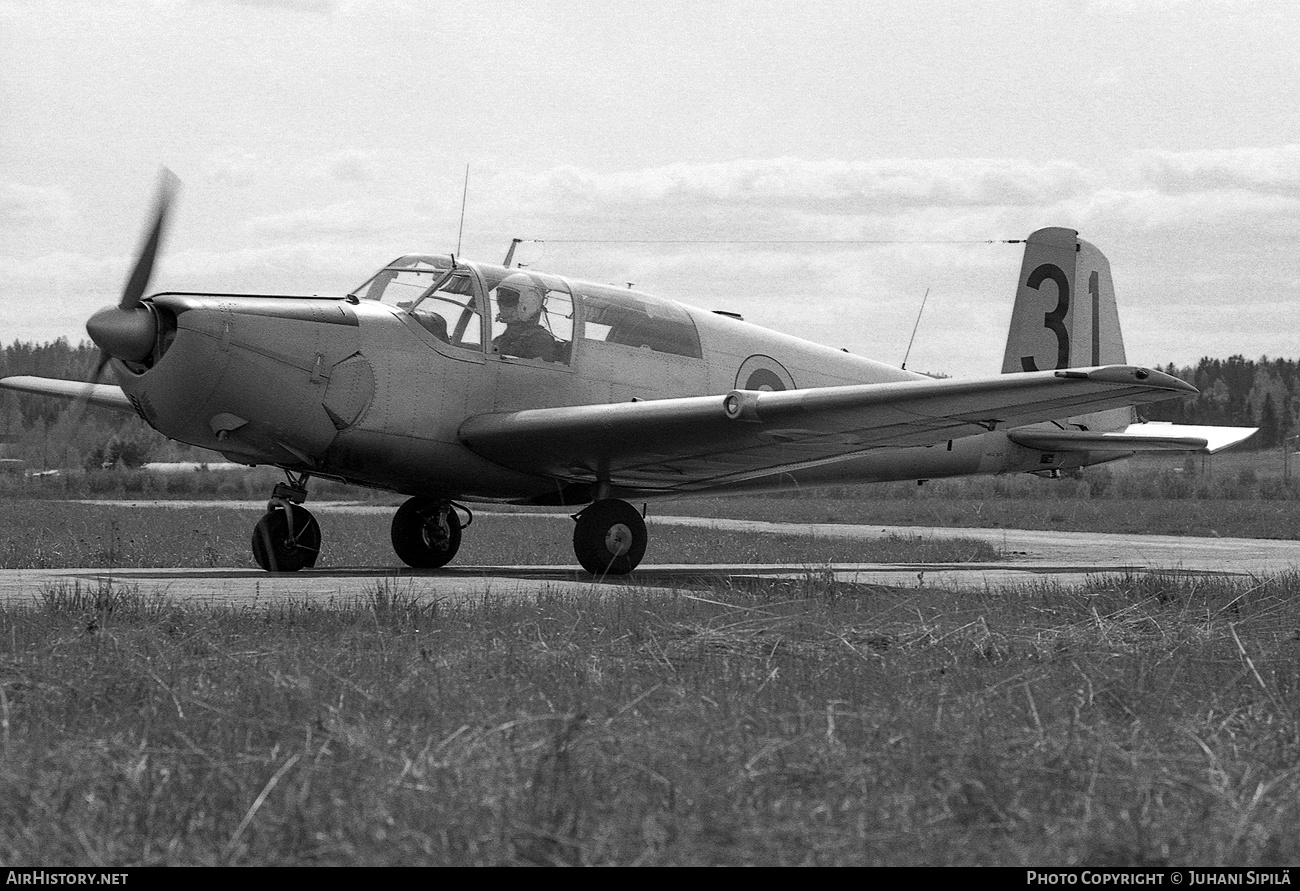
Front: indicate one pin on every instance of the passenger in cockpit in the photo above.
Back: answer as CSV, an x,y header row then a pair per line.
x,y
519,305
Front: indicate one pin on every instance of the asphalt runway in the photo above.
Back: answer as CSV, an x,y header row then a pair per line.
x,y
1031,557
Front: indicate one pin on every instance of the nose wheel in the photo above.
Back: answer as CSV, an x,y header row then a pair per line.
x,y
426,532
286,539
609,538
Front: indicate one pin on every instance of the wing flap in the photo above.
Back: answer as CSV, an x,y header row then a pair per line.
x,y
103,395
684,443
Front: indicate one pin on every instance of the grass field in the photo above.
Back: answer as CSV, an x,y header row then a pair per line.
x,y
1140,721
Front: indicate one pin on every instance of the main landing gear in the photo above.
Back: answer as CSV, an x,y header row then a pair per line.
x,y
426,532
287,538
609,538
609,535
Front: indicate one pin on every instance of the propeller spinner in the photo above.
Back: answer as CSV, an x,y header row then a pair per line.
x,y
128,330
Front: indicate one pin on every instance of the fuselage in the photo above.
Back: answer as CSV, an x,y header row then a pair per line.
x,y
373,388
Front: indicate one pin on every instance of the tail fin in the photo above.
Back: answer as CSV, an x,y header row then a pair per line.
x,y
1065,314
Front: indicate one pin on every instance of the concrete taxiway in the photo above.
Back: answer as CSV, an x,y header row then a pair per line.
x,y
1030,557
1029,553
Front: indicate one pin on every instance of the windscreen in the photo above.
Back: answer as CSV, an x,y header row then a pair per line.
x,y
404,280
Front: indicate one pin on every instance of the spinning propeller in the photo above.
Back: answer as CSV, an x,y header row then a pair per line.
x,y
128,330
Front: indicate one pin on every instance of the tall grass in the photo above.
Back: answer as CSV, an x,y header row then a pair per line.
x,y
1143,720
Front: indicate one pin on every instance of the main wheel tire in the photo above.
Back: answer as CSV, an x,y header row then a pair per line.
x,y
278,549
609,538
426,533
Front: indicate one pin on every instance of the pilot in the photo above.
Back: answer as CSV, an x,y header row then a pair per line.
x,y
519,304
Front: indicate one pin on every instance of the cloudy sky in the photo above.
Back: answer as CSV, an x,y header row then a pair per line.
x,y
858,153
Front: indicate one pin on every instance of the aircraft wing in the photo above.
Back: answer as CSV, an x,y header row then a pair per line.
x,y
1152,436
104,395
697,442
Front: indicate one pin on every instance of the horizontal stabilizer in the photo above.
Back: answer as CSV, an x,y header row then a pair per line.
x,y
103,395
1149,437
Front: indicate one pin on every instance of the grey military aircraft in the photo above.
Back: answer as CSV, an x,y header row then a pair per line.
x,y
451,381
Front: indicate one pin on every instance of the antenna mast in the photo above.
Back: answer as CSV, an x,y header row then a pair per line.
x,y
463,196
914,327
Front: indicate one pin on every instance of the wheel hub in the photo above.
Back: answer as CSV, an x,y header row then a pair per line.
x,y
437,531
618,539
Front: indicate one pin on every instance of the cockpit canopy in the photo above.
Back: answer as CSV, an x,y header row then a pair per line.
x,y
448,300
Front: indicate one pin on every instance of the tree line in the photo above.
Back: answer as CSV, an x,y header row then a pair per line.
x,y
49,433
1236,391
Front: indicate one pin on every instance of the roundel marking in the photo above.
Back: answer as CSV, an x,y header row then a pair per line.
x,y
763,373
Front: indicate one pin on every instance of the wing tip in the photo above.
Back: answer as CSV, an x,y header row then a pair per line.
x,y
1130,374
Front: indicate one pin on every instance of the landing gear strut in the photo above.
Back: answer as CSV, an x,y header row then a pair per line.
x,y
287,538
427,531
609,538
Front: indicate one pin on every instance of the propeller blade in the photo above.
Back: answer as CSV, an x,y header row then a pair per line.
x,y
77,411
100,366
168,183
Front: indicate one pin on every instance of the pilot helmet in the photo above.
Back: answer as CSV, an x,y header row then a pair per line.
x,y
518,299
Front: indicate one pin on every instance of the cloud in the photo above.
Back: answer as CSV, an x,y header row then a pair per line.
x,y
347,219
1268,170
320,7
349,166
61,270
23,206
238,168
53,294
836,187
353,167
305,266
1212,192
233,167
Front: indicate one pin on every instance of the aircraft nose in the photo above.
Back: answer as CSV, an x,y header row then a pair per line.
x,y
126,334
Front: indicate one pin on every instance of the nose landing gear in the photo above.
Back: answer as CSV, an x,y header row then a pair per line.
x,y
287,538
